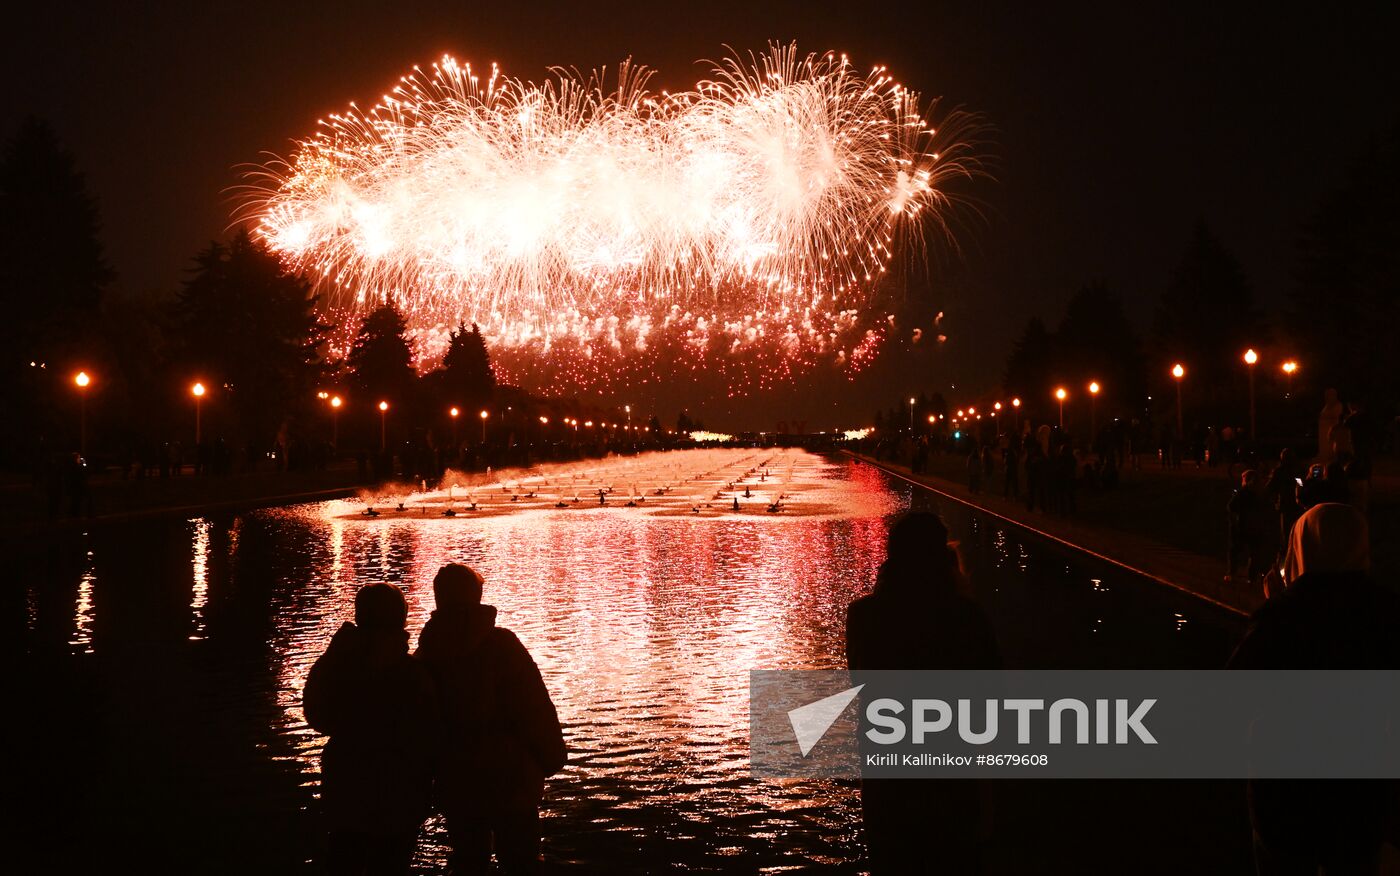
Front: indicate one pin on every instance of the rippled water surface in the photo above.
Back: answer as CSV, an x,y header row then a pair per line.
x,y
187,644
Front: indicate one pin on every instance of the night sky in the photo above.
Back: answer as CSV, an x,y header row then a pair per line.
x,y
1114,131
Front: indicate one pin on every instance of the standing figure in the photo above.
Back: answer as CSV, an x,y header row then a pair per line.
x,y
1011,462
918,617
502,735
1251,529
1332,614
1327,420
377,705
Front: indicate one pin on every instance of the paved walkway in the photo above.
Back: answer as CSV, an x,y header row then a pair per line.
x,y
24,510
1198,575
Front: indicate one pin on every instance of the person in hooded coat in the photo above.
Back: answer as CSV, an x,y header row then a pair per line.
x,y
502,735
1331,615
917,617
377,705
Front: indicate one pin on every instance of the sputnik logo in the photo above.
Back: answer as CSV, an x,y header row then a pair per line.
x,y
810,722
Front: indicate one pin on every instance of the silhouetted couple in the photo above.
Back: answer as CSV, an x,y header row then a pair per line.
x,y
466,725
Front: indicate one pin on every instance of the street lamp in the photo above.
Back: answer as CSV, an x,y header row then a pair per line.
x,y
383,432
911,413
81,380
1093,409
454,413
1178,372
1288,368
335,421
1250,358
484,414
198,392
1061,395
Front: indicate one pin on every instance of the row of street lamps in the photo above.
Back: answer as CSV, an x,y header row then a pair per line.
x,y
1289,367
82,380
1178,372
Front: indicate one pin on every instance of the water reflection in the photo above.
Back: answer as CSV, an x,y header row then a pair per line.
x,y
82,619
644,626
645,629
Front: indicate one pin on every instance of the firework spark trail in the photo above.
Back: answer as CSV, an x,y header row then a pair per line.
x,y
758,210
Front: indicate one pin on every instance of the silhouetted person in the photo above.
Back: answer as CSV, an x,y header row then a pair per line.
x,y
1035,476
376,703
1328,420
1365,437
974,470
503,737
1331,615
917,617
1066,479
1282,491
1251,528
1011,470
1324,484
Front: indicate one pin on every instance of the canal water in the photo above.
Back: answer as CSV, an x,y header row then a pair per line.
x,y
161,667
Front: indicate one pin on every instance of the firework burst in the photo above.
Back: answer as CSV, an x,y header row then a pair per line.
x,y
592,226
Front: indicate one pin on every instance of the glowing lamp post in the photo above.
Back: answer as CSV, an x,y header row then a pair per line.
x,y
1093,409
82,381
484,415
911,413
1061,395
1016,404
197,390
1178,372
1288,368
383,426
1250,358
454,413
335,421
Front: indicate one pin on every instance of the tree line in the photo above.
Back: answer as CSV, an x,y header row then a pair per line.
x,y
248,330
1336,321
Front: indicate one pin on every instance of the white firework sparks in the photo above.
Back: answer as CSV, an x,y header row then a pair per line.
x,y
758,210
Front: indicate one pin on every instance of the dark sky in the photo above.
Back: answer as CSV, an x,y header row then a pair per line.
x,y
1115,129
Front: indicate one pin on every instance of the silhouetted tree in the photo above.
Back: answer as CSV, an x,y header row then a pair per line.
x,y
249,327
52,274
381,358
52,270
1346,300
1207,317
1030,368
1095,341
466,374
